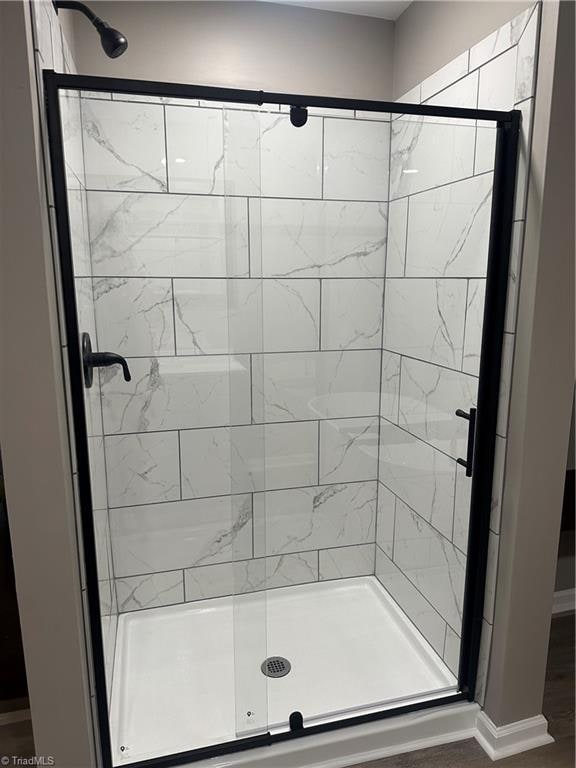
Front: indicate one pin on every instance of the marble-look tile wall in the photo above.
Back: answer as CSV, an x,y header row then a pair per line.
x,y
439,216
238,264
52,51
248,451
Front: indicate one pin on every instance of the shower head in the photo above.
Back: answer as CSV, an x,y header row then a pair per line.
x,y
113,42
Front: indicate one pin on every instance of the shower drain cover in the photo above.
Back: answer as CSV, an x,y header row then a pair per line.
x,y
275,666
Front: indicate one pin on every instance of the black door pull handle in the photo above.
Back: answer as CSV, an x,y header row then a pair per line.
x,y
91,360
471,419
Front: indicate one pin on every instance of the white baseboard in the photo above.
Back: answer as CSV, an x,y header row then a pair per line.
x,y
361,743
511,739
564,601
397,735
17,716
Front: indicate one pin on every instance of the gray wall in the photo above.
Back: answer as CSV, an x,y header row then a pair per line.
x,y
244,45
432,32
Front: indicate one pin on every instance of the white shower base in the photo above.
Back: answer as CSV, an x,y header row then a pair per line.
x,y
186,676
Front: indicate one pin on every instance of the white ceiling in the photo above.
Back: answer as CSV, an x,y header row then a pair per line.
x,y
380,9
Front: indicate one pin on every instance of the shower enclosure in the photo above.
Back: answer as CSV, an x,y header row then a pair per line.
x,y
285,463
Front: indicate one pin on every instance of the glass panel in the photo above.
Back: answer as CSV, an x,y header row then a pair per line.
x,y
160,242
247,447
301,309
70,108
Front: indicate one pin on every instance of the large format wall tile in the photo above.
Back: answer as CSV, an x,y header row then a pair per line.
x,y
499,40
411,601
497,82
218,316
167,235
298,300
348,450
160,537
177,393
505,384
215,316
451,654
150,591
352,313
213,151
431,563
124,145
242,166
429,397
72,139
425,319
397,226
491,576
97,472
79,239
448,230
195,142
251,458
485,151
419,475
385,519
390,386
526,61
425,155
463,93
514,276
498,484
346,562
445,76
356,156
314,518
134,316
315,385
142,469
102,543
309,238
522,172
250,575
462,501
291,160
474,326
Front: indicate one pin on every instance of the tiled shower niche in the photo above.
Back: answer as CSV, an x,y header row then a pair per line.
x,y
301,311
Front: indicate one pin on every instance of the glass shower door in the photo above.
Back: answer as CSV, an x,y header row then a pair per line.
x,y
286,471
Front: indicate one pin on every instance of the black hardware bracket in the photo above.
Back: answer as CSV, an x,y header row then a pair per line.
x,y
471,419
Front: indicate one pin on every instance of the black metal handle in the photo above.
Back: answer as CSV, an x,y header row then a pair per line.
x,y
91,360
471,419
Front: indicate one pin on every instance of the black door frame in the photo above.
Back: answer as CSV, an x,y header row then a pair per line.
x,y
507,136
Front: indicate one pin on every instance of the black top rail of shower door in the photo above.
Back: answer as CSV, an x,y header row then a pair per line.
x,y
239,96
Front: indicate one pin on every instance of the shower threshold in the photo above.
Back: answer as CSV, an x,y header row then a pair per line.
x,y
189,675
